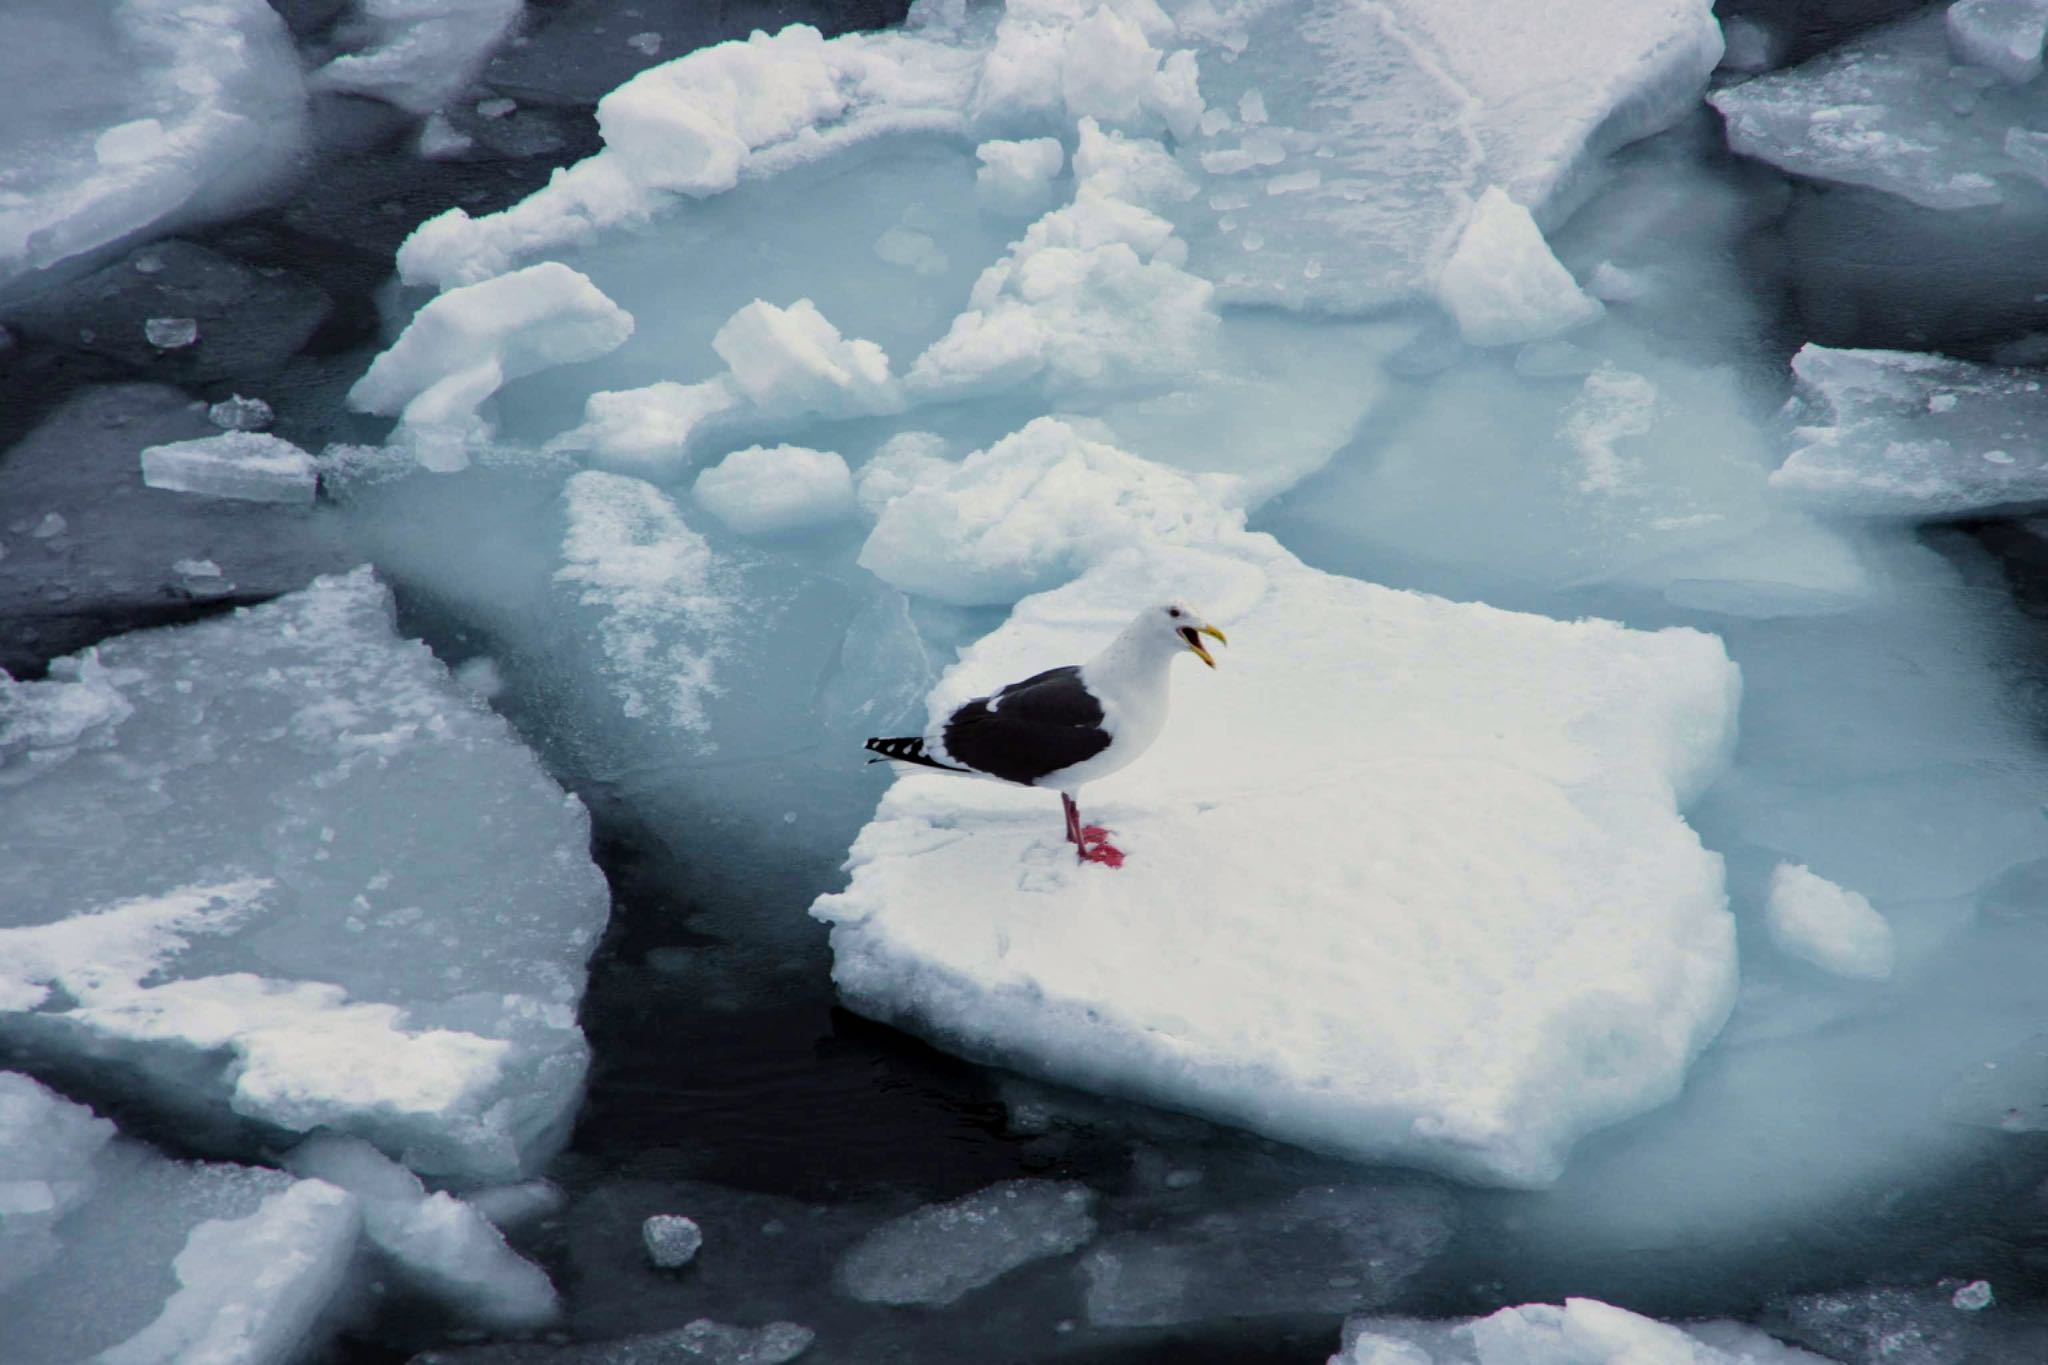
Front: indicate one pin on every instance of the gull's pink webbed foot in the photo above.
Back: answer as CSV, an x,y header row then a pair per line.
x,y
1096,848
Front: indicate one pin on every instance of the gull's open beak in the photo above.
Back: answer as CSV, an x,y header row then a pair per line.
x,y
1192,635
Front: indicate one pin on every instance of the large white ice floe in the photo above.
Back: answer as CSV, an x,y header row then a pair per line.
x,y
120,116
1576,1332
1907,435
416,54
111,1253
1407,877
280,869
1892,110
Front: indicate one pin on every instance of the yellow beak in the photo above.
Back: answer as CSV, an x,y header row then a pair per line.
x,y
1196,645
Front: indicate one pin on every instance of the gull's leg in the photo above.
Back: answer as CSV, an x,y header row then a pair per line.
x,y
1073,819
1091,841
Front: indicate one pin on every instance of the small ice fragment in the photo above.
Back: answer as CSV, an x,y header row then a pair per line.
x,y
171,334
766,490
197,568
1941,402
1502,284
646,44
1830,926
149,263
900,246
52,524
480,675
240,414
1294,181
496,108
511,1205
1998,456
672,1240
1251,107
1750,47
440,139
247,465
1615,285
1973,1297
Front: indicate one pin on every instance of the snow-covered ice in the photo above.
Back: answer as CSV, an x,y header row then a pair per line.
x,y
766,490
1892,111
1830,926
942,1251
112,1253
1499,934
249,465
144,113
439,1243
1910,435
283,872
1576,1332
2005,35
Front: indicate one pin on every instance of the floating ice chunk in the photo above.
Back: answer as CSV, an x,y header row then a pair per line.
x,y
440,1243
441,140
1974,1297
628,553
1031,511
1579,1332
248,465
419,53
426,905
654,423
251,1290
1017,176
1903,434
793,360
240,414
907,460
765,490
693,125
170,334
1092,297
942,1251
1332,1249
911,250
1467,986
124,116
672,1240
1830,926
1879,111
460,347
2005,35
1501,283
1752,46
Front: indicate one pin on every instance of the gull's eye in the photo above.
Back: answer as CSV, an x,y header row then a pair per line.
x,y
1174,612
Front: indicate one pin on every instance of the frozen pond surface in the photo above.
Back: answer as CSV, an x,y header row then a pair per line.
x,y
1594,914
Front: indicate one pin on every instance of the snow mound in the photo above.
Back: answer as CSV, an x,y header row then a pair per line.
x,y
1578,1332
462,346
1030,512
247,465
111,1253
1892,111
694,125
123,116
1830,926
1902,434
942,1251
767,490
281,869
1462,928
439,1242
418,53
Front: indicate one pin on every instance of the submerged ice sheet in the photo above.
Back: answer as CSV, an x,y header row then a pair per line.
x,y
417,53
1498,934
247,465
938,1253
123,116
284,871
1901,434
113,1254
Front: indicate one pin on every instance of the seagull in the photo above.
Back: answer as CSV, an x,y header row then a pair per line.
x,y
1068,726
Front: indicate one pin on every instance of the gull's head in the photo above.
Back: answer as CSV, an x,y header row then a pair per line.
x,y
1184,624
